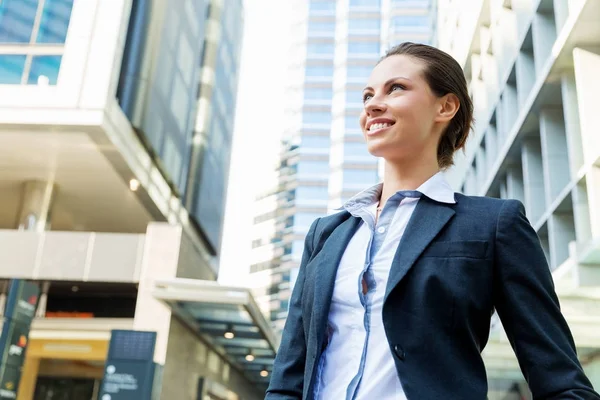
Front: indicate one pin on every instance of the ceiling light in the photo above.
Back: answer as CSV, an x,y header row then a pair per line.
x,y
264,373
250,357
134,184
229,332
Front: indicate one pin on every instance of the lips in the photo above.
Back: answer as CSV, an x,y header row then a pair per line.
x,y
378,125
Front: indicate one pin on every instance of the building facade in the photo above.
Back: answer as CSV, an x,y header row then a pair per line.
x,y
335,44
115,138
530,66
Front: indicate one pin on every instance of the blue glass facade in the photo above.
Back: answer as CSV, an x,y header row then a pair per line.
x,y
207,207
30,23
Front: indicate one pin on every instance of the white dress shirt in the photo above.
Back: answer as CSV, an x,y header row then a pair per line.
x,y
357,363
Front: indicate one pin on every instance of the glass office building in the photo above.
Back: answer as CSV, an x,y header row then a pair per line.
x,y
115,138
324,162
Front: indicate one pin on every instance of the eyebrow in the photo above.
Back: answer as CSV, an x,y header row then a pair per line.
x,y
388,82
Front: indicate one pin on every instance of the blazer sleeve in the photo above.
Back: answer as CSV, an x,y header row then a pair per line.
x,y
287,378
528,307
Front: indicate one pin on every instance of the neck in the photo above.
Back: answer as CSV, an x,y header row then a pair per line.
x,y
405,176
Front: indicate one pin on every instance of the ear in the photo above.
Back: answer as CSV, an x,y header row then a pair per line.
x,y
448,106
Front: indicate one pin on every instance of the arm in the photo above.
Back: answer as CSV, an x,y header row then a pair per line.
x,y
287,379
528,307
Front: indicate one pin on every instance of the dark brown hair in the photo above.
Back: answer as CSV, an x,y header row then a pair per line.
x,y
444,75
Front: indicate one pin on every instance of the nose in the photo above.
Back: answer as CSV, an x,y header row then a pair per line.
x,y
375,106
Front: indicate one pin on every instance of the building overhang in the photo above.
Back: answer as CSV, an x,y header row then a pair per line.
x,y
228,319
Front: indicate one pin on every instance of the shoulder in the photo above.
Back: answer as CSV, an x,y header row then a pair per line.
x,y
489,208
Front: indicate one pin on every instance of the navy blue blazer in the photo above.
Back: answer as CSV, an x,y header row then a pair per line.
x,y
455,264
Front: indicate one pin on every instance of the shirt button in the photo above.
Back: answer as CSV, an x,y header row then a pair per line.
x,y
381,229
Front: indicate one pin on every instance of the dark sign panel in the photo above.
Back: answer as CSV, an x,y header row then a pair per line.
x,y
130,371
127,380
21,305
14,342
9,382
22,301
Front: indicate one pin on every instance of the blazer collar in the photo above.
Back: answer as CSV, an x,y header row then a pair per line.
x,y
435,188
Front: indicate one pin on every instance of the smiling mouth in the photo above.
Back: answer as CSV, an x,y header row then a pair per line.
x,y
378,127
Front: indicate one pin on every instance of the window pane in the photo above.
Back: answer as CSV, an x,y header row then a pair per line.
x,y
316,118
44,66
315,142
359,71
55,21
358,178
11,69
352,149
312,168
363,47
16,20
320,48
322,6
362,24
319,70
321,26
318,94
411,22
304,193
354,96
365,3
352,122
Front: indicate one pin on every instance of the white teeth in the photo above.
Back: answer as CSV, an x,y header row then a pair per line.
x,y
375,127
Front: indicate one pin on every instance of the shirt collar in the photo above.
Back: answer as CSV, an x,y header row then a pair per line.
x,y
436,188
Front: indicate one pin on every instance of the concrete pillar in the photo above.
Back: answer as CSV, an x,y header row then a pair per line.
x,y
160,261
43,302
36,205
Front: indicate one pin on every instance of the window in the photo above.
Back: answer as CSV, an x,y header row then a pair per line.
x,y
44,67
359,71
55,21
318,94
319,70
17,18
313,168
321,26
316,117
320,48
411,22
351,122
11,69
315,142
359,24
359,177
354,149
312,192
322,5
18,21
363,47
411,3
365,3
354,96
305,220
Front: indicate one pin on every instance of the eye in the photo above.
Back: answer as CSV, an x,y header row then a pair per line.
x,y
367,97
396,86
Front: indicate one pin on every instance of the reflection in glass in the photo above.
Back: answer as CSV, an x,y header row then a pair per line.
x,y
11,69
44,69
55,21
16,20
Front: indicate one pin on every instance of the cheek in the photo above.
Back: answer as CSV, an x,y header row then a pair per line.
x,y
362,119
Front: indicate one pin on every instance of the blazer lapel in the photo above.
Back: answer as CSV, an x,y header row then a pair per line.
x,y
428,219
328,261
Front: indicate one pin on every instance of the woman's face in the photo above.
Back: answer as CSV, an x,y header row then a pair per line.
x,y
399,116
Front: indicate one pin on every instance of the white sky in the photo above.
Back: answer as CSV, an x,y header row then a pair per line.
x,y
258,125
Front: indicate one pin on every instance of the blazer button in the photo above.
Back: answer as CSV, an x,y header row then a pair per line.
x,y
399,352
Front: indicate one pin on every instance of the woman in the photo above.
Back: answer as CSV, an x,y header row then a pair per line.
x,y
395,293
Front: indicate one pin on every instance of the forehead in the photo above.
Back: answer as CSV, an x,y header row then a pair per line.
x,y
396,66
